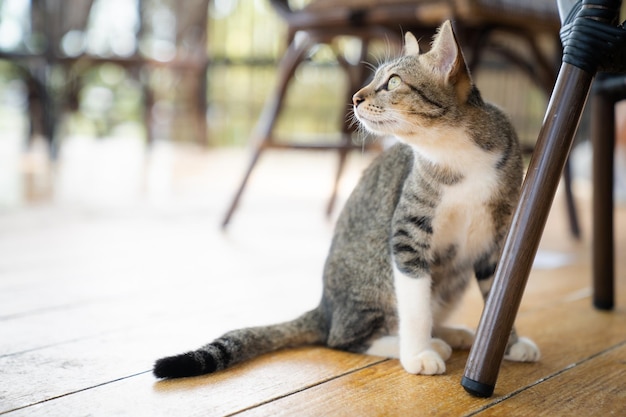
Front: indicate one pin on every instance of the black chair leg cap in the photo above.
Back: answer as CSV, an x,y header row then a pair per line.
x,y
477,389
603,305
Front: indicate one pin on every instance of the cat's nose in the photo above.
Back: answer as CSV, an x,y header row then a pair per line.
x,y
357,99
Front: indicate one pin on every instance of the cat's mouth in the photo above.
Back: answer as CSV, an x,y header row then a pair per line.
x,y
377,126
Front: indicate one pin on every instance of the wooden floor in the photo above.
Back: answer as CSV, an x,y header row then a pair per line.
x,y
110,264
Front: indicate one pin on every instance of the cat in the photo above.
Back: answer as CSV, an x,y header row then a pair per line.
x,y
428,214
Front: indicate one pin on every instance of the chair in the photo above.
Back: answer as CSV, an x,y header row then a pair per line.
x,y
477,21
322,22
52,21
592,43
607,91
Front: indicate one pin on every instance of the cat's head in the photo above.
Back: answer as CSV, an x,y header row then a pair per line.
x,y
416,91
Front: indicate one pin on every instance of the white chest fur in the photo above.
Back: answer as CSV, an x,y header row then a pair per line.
x,y
463,216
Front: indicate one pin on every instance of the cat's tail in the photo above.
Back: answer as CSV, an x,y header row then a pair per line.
x,y
239,345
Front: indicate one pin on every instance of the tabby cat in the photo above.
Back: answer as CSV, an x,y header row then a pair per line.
x,y
428,214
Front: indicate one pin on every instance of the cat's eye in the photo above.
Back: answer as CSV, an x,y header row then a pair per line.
x,y
394,82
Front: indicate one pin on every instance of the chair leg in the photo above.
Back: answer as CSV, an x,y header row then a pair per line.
x,y
343,155
570,204
262,136
553,146
356,78
235,201
603,137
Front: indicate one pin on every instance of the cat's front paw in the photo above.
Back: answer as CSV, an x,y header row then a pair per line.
x,y
427,362
524,350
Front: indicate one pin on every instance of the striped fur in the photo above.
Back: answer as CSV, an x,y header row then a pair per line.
x,y
429,214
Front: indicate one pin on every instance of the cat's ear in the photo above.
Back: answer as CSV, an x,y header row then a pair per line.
x,y
448,60
411,46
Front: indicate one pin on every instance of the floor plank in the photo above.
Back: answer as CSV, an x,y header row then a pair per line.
x,y
225,393
594,387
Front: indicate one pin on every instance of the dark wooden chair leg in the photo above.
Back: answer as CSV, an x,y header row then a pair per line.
x,y
343,155
235,201
606,94
262,137
356,78
551,152
570,204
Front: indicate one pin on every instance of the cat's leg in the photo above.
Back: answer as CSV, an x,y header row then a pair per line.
x,y
418,353
386,346
518,349
458,337
411,240
389,347
521,349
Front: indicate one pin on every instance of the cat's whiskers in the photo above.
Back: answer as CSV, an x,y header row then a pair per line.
x,y
370,66
364,136
383,59
350,118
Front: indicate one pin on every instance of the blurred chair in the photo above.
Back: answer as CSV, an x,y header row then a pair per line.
x,y
188,63
46,56
322,22
480,24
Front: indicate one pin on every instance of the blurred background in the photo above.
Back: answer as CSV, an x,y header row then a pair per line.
x,y
93,90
